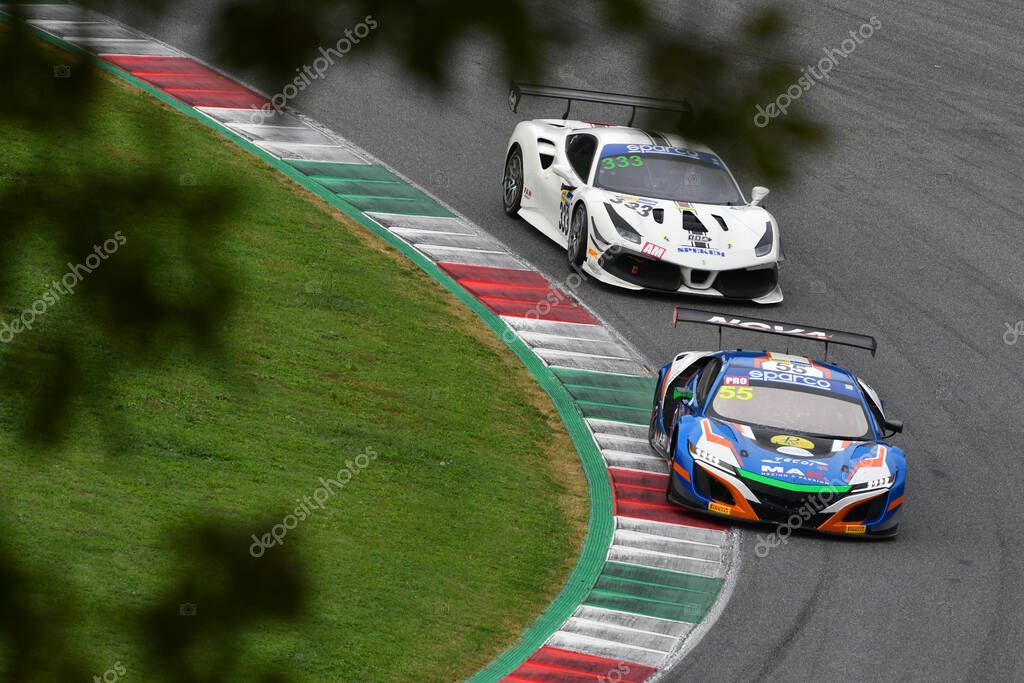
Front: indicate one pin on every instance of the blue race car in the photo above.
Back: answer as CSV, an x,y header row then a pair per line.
x,y
778,438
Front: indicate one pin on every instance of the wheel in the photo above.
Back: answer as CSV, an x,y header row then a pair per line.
x,y
577,249
512,183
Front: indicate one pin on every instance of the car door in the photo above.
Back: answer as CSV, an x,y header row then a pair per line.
x,y
580,150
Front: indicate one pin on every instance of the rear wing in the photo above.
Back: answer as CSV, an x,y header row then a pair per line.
x,y
518,91
826,336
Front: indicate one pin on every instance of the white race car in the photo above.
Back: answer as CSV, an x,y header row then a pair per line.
x,y
640,210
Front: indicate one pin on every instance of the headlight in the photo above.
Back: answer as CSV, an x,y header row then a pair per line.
x,y
702,455
764,246
623,227
880,483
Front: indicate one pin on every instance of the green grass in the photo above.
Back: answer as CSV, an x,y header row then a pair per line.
x,y
425,566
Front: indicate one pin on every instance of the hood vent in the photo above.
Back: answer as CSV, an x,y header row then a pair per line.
x,y
721,221
659,216
692,224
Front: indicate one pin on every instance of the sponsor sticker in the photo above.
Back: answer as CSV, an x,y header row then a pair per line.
x,y
793,441
801,461
701,251
719,508
653,250
563,213
779,470
704,157
856,528
737,381
795,452
793,366
789,378
769,327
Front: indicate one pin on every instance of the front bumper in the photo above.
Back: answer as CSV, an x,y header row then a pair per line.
x,y
631,270
868,515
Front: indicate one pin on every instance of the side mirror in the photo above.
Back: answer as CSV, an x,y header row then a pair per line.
x,y
564,172
893,426
684,394
758,194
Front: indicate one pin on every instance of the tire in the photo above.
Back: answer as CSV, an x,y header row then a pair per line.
x,y
512,182
577,247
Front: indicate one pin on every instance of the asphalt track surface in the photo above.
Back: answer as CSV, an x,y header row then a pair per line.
x,y
908,227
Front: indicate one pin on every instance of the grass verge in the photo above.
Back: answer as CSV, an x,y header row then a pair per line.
x,y
423,567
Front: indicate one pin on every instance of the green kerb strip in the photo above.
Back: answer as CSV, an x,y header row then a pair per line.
x,y
606,396
801,488
606,380
601,524
628,399
665,577
655,592
371,190
324,170
615,413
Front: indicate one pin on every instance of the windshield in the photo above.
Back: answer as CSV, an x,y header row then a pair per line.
x,y
792,410
666,173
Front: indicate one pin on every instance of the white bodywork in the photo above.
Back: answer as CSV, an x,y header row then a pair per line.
x,y
552,191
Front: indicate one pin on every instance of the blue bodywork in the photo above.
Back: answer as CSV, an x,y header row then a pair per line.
x,y
761,474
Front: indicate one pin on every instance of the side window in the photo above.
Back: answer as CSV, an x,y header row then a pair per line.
x,y
580,150
707,380
678,383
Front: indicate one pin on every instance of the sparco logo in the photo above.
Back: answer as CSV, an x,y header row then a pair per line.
x,y
789,378
768,327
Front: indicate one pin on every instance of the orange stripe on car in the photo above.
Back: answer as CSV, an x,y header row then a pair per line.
x,y
895,504
877,461
681,471
741,509
720,440
835,523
